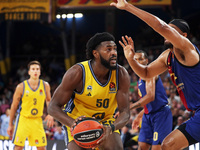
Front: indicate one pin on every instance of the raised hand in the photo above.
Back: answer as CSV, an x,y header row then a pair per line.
x,y
128,47
121,4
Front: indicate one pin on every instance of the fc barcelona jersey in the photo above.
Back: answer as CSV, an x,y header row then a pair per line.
x,y
32,101
160,96
187,81
96,99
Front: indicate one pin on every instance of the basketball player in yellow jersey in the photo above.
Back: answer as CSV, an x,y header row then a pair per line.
x,y
30,96
94,88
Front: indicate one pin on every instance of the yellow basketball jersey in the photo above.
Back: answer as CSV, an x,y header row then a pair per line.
x,y
95,100
32,101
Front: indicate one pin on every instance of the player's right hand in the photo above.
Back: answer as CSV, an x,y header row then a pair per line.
x,y
10,130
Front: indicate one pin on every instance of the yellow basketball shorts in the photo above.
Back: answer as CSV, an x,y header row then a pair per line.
x,y
31,129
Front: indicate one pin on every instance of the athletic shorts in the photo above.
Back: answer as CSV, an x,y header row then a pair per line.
x,y
192,127
31,129
156,126
69,137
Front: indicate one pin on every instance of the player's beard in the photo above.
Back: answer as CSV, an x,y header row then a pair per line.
x,y
106,63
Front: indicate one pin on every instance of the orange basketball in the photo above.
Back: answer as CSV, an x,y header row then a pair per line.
x,y
87,132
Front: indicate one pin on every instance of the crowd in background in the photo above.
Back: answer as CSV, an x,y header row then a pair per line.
x,y
53,71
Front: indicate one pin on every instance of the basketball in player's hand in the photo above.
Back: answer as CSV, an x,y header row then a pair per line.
x,y
87,132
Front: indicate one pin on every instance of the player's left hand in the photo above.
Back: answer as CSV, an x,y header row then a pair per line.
x,y
106,132
121,4
128,47
136,123
50,121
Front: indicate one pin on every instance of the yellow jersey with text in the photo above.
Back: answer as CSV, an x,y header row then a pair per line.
x,y
96,99
32,101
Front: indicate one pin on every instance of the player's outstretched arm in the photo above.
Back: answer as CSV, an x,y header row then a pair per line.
x,y
145,72
63,93
158,25
150,94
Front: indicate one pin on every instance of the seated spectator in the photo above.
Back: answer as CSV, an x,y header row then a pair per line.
x,y
59,133
180,120
22,73
5,104
4,120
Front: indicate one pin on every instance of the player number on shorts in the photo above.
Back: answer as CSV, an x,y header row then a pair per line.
x,y
102,103
155,136
43,139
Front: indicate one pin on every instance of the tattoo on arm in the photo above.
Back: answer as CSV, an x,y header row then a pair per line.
x,y
135,106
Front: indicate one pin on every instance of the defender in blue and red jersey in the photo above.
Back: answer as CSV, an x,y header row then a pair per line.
x,y
182,59
156,111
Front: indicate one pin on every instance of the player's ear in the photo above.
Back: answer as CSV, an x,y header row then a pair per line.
x,y
185,34
95,53
147,60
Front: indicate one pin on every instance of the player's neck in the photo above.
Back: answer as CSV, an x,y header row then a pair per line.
x,y
33,81
100,72
99,69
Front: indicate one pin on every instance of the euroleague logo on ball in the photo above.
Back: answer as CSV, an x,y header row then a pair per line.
x,y
98,134
87,132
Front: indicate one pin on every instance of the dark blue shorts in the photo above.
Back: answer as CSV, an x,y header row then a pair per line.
x,y
156,126
193,126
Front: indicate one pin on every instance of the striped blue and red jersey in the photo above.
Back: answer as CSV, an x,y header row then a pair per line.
x,y
160,96
187,81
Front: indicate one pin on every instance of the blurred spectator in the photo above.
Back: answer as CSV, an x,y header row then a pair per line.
x,y
187,114
175,114
59,133
45,77
166,85
180,120
125,134
193,39
150,55
174,99
125,64
22,73
4,120
133,79
5,104
28,47
1,87
8,93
